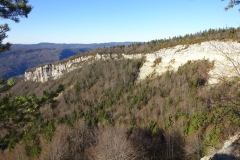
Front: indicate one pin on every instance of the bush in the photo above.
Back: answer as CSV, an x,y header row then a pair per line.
x,y
11,82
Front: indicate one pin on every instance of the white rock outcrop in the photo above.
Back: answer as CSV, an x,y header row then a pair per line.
x,y
230,149
215,51
226,57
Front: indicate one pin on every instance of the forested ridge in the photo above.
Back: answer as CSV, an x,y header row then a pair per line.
x,y
101,111
221,34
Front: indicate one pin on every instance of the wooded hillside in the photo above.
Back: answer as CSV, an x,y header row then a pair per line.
x,y
101,111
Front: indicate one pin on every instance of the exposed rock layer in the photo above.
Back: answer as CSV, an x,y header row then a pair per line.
x,y
156,63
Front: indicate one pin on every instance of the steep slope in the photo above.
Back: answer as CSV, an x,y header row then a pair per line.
x,y
154,106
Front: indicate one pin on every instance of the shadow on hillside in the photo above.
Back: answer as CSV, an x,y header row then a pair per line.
x,y
224,157
66,53
3,146
158,145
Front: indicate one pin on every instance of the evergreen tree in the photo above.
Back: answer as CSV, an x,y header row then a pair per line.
x,y
232,3
13,10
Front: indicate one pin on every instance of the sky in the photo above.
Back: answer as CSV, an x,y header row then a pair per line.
x,y
101,21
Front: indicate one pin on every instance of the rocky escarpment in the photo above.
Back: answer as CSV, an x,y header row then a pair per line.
x,y
225,56
45,72
56,70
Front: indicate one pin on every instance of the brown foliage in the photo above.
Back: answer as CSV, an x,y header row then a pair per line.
x,y
18,153
113,144
69,143
154,146
193,147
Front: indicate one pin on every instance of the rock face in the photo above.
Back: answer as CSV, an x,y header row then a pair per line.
x,y
225,56
55,71
230,150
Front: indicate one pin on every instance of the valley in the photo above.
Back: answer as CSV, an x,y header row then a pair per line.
x,y
164,99
25,56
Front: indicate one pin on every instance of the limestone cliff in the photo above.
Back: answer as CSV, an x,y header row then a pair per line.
x,y
155,63
54,71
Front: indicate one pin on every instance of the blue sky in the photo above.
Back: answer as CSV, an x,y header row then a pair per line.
x,y
99,21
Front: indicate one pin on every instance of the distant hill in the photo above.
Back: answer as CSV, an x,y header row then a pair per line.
x,y
74,45
24,56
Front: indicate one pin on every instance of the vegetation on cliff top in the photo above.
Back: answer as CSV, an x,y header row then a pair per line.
x,y
221,34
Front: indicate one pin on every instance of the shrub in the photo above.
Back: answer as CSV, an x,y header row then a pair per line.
x,y
11,82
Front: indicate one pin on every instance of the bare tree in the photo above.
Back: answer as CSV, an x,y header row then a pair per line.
x,y
70,143
227,64
59,146
227,72
193,147
113,144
